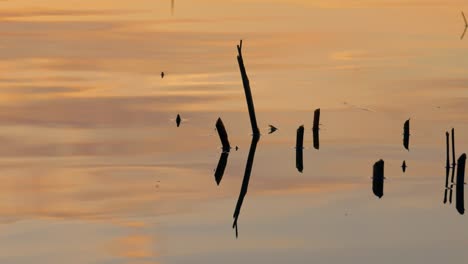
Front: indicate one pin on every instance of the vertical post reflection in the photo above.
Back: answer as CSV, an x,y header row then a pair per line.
x,y
245,181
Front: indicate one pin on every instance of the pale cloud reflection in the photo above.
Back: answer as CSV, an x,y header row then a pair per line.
x,y
96,194
133,247
372,4
62,14
104,111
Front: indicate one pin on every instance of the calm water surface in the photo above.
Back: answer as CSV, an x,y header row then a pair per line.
x,y
94,170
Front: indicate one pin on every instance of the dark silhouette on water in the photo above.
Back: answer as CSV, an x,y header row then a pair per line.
x,y
460,186
403,166
237,148
453,166
299,160
248,93
447,166
315,129
315,135
178,120
255,138
300,148
316,119
223,135
245,181
300,138
162,75
272,129
219,172
406,134
466,26
378,178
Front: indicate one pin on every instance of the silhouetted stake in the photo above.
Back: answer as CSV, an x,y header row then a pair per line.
x,y
403,166
316,119
406,134
378,178
453,149
299,148
466,26
223,135
272,129
453,166
447,166
315,134
248,93
162,75
221,167
255,138
225,154
299,160
245,181
460,203
315,129
178,120
300,138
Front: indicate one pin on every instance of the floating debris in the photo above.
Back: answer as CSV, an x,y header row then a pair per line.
x,y
178,120
403,166
359,107
162,75
272,129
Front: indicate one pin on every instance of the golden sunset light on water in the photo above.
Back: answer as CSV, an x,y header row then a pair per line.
x,y
111,151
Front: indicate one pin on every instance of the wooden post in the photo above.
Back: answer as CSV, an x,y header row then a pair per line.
x,y
453,166
248,93
315,129
447,165
223,135
378,179
460,202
